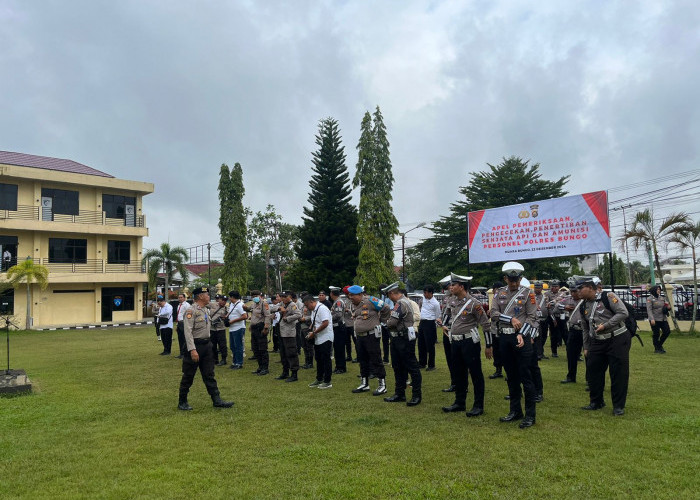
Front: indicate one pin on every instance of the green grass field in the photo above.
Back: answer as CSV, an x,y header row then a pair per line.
x,y
102,423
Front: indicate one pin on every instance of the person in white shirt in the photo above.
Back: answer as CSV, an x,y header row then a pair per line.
x,y
322,335
182,308
236,331
427,329
165,324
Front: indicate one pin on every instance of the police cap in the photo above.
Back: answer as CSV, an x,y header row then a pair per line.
x,y
538,284
513,269
456,278
390,288
199,290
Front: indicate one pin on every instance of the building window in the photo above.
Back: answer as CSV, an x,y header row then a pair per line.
x,y
118,252
8,197
118,298
64,250
114,205
63,202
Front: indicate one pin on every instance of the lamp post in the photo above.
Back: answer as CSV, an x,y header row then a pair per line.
x,y
403,250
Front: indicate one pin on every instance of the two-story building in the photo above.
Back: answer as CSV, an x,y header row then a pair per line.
x,y
86,227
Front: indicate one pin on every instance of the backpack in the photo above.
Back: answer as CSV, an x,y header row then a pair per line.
x,y
630,321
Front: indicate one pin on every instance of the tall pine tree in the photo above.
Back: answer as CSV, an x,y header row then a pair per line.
x,y
377,224
232,226
327,248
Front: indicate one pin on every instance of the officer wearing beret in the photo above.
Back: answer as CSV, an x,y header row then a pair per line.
x,y
403,347
259,328
608,345
467,314
368,314
514,316
199,352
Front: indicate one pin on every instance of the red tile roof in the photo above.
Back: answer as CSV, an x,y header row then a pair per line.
x,y
200,269
25,160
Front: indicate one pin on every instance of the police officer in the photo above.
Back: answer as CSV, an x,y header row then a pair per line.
x,y
573,304
467,314
557,325
347,319
514,317
543,319
604,322
444,321
289,316
497,362
368,313
307,343
259,328
339,330
657,308
218,311
403,347
199,352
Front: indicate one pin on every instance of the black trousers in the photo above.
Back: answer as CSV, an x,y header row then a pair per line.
x,y
466,359
370,357
659,333
276,338
324,365
613,353
385,343
427,337
448,356
289,354
339,339
558,333
206,370
541,339
573,351
218,343
181,337
300,339
308,350
259,343
166,335
403,359
516,361
349,341
535,371
497,360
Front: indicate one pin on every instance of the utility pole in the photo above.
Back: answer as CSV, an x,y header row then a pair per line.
x,y
627,250
403,251
209,263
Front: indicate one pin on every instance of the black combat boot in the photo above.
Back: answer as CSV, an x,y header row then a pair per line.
x,y
220,403
293,378
183,405
284,376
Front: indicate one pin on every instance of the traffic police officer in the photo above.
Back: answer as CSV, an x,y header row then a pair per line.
x,y
444,321
573,304
514,317
199,352
542,318
259,328
609,345
403,347
368,314
557,324
467,314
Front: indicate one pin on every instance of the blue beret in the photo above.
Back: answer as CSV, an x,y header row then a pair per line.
x,y
355,289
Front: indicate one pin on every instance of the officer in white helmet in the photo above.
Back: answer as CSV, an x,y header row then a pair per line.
x,y
514,317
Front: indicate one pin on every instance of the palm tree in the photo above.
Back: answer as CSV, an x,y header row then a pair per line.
x,y
169,259
687,236
643,232
28,272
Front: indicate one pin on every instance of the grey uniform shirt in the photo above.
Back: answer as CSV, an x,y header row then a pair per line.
x,y
401,316
338,312
576,315
595,313
467,313
197,325
290,317
522,307
366,318
217,315
655,308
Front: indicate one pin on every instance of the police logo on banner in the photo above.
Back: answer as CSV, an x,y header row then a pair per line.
x,y
117,301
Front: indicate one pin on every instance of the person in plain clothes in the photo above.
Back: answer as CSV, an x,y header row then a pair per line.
x,y
236,331
182,308
321,332
165,324
427,331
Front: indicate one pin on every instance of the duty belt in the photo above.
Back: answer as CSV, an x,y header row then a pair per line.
x,y
397,334
508,331
362,334
606,336
201,341
457,338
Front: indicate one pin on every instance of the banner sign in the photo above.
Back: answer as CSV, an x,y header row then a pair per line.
x,y
572,225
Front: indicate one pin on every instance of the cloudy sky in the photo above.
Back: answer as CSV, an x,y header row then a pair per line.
x,y
165,91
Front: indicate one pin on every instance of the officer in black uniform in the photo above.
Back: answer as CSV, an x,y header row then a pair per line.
x,y
514,315
403,347
199,352
608,346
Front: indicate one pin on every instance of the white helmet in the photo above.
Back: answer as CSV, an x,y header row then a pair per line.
x,y
513,269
